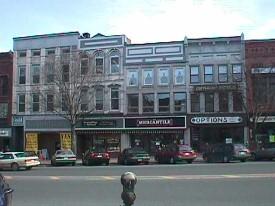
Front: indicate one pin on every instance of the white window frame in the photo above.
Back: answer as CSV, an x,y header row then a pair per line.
x,y
183,74
118,98
160,75
18,105
208,74
35,102
143,76
220,73
101,88
129,72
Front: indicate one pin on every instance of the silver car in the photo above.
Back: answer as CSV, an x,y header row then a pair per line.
x,y
63,157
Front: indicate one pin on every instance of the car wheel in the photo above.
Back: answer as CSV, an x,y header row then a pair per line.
x,y
53,163
125,162
28,168
243,160
73,164
107,163
14,166
189,161
172,160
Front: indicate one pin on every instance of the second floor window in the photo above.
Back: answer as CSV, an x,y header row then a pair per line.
x,y
148,77
132,78
99,65
223,102
35,102
36,74
84,66
50,103
114,98
148,103
99,99
164,102
223,75
209,102
180,102
21,103
4,85
22,75
194,74
66,73
195,102
237,102
36,53
50,72
237,72
115,65
179,76
208,74
4,107
84,100
22,53
133,103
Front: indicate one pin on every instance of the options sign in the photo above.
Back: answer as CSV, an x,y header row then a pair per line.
x,y
216,120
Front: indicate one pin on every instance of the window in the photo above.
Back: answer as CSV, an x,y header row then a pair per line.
x,y
223,102
22,53
132,78
84,66
194,74
50,72
64,105
237,72
84,99
36,74
209,102
114,65
179,76
148,77
148,102
3,110
21,103
50,52
163,76
35,53
99,99
195,102
133,103
99,65
208,74
65,50
4,85
180,102
223,75
237,101
50,103
66,73
35,102
114,98
22,74
164,102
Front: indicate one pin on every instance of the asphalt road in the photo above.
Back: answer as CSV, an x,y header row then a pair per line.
x,y
233,184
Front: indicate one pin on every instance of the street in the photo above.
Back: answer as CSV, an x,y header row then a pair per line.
x,y
198,184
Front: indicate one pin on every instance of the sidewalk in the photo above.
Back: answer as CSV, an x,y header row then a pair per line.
x,y
113,161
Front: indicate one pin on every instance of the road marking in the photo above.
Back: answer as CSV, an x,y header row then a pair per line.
x,y
8,177
109,178
168,177
54,178
231,176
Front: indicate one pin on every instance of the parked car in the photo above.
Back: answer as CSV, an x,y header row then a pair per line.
x,y
223,152
175,153
96,156
266,152
63,157
5,192
135,155
17,160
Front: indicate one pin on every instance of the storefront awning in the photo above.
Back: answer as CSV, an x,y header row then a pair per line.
x,y
132,131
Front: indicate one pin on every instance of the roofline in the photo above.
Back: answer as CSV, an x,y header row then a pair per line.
x,y
152,43
213,38
259,40
47,35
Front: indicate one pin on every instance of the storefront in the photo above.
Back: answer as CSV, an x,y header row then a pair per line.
x,y
104,133
153,132
5,139
217,129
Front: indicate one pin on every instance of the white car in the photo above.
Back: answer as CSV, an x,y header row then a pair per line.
x,y
17,160
63,157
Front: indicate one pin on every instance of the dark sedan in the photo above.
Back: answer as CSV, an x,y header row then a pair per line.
x,y
266,152
96,156
134,155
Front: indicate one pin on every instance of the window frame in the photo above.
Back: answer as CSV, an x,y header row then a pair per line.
x,y
144,78
175,76
234,74
24,52
35,104
35,73
222,103
21,103
4,110
194,104
221,74
194,75
48,108
129,72
135,108
100,100
209,104
36,52
159,76
4,85
166,108
20,67
97,66
151,108
116,89
206,75
66,75
118,65
183,102
237,96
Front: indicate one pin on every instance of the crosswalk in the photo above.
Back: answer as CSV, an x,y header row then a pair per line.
x,y
142,178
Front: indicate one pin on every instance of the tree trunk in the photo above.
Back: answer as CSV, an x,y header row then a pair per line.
x,y
74,139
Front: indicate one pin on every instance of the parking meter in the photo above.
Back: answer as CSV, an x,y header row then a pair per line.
x,y
128,181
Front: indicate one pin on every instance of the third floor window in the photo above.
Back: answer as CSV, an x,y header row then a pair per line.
x,y
22,75
35,74
194,74
208,74
223,75
237,72
99,65
115,65
4,85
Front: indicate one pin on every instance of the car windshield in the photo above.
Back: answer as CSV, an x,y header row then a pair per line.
x,y
136,150
30,153
239,146
21,154
64,152
184,148
97,149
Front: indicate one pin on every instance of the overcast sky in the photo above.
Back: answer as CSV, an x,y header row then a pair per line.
x,y
140,20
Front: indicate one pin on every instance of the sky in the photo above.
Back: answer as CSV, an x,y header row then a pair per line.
x,y
142,21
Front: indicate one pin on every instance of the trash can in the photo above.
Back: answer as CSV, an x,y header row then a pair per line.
x,y
5,192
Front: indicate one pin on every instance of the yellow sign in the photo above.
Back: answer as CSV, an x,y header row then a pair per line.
x,y
31,142
66,140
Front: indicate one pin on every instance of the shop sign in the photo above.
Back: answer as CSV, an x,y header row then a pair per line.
x,y
264,70
264,119
17,120
66,140
272,138
228,140
216,120
216,87
5,132
155,122
98,123
31,142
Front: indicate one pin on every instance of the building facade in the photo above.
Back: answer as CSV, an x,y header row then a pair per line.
x,y
6,139
260,65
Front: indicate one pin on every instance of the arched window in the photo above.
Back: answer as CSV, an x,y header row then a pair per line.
x,y
99,62
115,61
